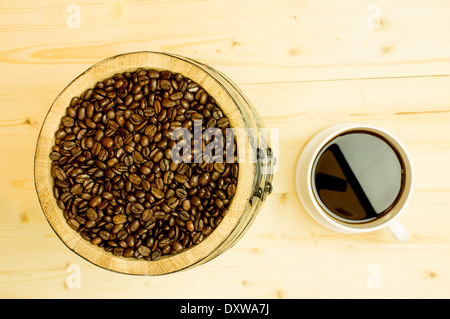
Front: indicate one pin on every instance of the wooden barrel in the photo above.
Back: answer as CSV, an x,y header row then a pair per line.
x,y
253,183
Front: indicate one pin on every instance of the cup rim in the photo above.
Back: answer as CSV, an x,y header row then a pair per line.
x,y
304,175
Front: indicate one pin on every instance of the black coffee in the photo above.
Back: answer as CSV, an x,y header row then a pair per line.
x,y
358,177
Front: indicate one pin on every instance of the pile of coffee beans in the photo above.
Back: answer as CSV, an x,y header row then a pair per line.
x,y
114,176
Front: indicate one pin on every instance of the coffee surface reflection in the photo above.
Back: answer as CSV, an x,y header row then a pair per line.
x,y
357,177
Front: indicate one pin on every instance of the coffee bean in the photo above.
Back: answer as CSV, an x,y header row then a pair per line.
x,y
193,87
147,214
180,178
231,190
130,241
134,226
137,208
223,122
203,179
105,235
172,202
197,238
221,194
120,219
146,185
177,246
168,103
181,193
145,170
95,201
157,192
176,96
186,204
207,230
107,142
76,189
135,179
219,167
137,157
114,177
88,184
193,181
73,224
184,215
96,241
190,226
128,252
60,174
107,195
91,213
67,121
144,250
157,156
196,201
159,214
156,255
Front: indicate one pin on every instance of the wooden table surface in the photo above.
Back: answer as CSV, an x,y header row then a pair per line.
x,y
305,65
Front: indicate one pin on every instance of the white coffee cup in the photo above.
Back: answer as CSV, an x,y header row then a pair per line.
x,y
311,204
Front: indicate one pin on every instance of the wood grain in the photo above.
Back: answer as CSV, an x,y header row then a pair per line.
x,y
305,65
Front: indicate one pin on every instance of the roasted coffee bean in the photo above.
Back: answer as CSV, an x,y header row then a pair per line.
x,y
231,190
67,121
60,174
207,230
95,201
76,189
130,241
181,193
144,250
186,204
177,246
172,202
105,235
91,213
159,214
147,214
115,179
203,179
180,178
157,193
107,142
134,226
190,226
219,167
197,238
96,241
193,181
156,255
135,179
137,208
128,252
120,219
184,215
73,224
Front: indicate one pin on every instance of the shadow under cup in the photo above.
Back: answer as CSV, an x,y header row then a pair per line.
x,y
354,178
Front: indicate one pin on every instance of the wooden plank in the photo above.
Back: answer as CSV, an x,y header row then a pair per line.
x,y
305,65
285,254
251,41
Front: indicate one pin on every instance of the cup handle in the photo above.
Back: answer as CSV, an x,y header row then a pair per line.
x,y
398,230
